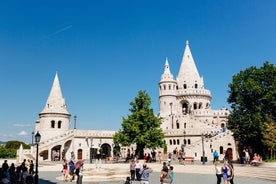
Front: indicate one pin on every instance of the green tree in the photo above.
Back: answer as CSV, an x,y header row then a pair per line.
x,y
16,145
253,101
269,137
141,127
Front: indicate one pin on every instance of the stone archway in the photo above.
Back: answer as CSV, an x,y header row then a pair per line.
x,y
106,150
79,156
229,154
56,153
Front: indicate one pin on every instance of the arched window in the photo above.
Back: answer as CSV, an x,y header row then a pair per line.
x,y
221,150
59,124
174,142
177,125
177,141
185,125
52,124
195,105
170,87
185,86
196,86
189,141
170,142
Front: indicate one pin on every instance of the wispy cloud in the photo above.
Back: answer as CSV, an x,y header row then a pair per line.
x,y
21,125
23,133
7,135
59,31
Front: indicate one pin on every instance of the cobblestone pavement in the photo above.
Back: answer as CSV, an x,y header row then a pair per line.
x,y
190,173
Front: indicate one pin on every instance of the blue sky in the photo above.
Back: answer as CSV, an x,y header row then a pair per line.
x,y
106,51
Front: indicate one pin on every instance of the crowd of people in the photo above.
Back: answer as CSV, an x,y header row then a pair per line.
x,y
22,174
72,169
140,172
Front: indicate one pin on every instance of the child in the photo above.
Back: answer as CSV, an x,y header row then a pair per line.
x,y
171,174
128,181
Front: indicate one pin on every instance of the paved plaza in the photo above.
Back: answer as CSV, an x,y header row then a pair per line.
x,y
190,173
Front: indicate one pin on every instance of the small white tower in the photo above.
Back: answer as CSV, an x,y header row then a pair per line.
x,y
167,91
54,118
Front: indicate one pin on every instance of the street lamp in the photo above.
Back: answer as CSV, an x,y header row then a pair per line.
x,y
75,122
32,137
203,151
171,104
37,140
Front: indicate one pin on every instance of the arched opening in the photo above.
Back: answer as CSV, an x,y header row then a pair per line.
x,y
221,150
59,124
229,154
79,157
195,106
52,124
106,148
185,108
177,124
55,153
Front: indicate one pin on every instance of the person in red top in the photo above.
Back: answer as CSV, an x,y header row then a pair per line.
x,y
65,170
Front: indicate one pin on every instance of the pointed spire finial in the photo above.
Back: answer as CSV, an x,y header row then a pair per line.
x,y
187,42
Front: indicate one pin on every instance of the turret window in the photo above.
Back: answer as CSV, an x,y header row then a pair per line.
x,y
59,124
185,86
170,87
52,124
177,125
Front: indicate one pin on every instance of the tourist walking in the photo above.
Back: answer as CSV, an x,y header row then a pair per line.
x,y
138,167
218,171
132,170
165,175
71,169
215,155
144,174
232,172
79,171
171,174
226,173
65,170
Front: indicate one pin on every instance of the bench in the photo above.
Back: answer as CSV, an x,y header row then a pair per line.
x,y
187,158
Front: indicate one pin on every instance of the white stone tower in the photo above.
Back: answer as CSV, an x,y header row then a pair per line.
x,y
54,118
187,117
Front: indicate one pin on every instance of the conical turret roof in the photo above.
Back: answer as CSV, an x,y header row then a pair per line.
x,y
167,75
55,102
188,73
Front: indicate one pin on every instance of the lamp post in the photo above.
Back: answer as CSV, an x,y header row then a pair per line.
x,y
75,122
184,141
203,151
37,140
32,137
171,104
91,150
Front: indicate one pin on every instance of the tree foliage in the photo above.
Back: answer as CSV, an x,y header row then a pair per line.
x,y
9,149
269,137
16,145
141,127
253,102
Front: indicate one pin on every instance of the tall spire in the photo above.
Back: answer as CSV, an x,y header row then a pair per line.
x,y
167,75
55,103
188,73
